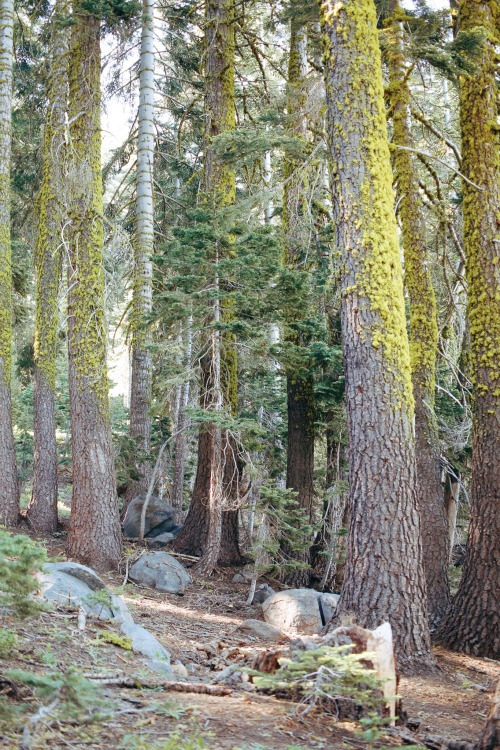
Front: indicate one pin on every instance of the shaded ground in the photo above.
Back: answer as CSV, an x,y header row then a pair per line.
x,y
199,629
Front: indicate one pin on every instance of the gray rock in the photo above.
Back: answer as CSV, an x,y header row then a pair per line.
x,y
160,516
87,575
262,630
160,571
328,606
161,540
294,611
143,642
62,588
238,578
159,666
263,592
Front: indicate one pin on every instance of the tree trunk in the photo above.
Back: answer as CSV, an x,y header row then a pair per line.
x,y
300,384
203,527
94,536
140,389
473,622
42,511
384,577
423,332
181,442
9,487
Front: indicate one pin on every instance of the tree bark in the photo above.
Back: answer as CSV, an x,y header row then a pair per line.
x,y
423,332
384,577
94,536
140,389
9,487
181,443
299,384
219,387
473,622
42,511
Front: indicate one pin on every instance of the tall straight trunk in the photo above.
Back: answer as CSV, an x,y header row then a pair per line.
x,y
94,536
211,528
384,577
299,383
42,511
140,391
181,442
9,487
423,333
473,622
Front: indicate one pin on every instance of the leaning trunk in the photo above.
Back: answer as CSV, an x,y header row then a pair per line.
x,y
42,511
384,577
94,536
473,623
423,333
9,488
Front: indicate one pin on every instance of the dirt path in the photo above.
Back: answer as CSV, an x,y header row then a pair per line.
x,y
200,630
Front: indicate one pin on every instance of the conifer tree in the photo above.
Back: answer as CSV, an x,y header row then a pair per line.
x,y
384,577
299,381
423,329
9,489
140,390
94,536
473,622
42,511
210,530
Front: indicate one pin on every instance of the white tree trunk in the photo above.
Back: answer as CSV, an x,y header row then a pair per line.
x,y
140,396
9,488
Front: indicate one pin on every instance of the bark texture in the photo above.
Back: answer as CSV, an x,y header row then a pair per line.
x,y
9,488
299,383
42,511
423,331
140,390
94,536
213,503
384,577
473,623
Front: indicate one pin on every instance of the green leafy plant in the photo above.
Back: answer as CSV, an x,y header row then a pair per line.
x,y
327,677
8,642
20,558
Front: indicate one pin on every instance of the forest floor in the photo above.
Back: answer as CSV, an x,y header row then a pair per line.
x,y
200,630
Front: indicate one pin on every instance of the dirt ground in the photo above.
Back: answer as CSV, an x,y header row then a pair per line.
x,y
200,630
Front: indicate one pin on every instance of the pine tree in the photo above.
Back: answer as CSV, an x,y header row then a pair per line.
x,y
473,622
94,536
42,512
9,489
384,578
423,329
210,530
140,390
299,380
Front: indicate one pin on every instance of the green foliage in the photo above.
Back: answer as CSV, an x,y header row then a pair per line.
x,y
185,737
323,677
20,559
291,527
76,697
117,640
8,642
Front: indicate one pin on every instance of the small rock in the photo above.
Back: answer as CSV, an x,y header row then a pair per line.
x,y
263,592
179,669
262,630
160,571
238,578
294,611
161,540
328,606
160,516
